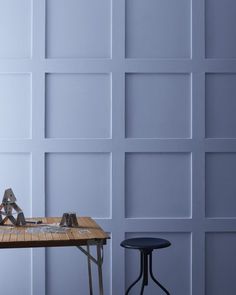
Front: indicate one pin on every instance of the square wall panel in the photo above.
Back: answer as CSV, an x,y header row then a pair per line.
x,y
15,106
158,29
171,266
158,105
15,171
78,28
71,266
78,105
16,271
220,185
78,182
220,28
15,29
220,264
220,105
158,185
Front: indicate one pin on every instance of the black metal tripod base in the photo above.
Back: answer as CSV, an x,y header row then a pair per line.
x,y
144,272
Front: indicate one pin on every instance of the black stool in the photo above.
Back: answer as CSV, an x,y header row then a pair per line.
x,y
145,246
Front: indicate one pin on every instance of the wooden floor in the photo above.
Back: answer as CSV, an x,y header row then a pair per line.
x,y
33,235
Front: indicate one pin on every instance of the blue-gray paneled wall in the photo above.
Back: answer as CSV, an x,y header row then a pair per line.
x,y
123,110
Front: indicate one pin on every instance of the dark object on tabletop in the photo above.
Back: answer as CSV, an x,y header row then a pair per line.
x,y
145,246
69,220
9,206
34,221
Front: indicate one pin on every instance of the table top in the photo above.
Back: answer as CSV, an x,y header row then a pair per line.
x,y
50,234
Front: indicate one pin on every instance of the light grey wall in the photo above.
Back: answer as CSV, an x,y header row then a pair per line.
x,y
123,110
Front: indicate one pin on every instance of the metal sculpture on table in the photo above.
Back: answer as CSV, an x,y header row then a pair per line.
x,y
69,220
9,207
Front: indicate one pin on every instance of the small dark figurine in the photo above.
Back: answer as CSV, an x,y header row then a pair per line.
x,y
9,206
69,220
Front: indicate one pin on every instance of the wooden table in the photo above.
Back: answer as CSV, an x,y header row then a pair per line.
x,y
89,233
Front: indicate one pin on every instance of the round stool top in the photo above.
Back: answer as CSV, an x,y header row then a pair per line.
x,y
145,243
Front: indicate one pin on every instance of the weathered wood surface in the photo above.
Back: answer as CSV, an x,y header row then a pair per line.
x,y
18,236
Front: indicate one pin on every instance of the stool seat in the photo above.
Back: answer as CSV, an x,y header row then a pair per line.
x,y
145,243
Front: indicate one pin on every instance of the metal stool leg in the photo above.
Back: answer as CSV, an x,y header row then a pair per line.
x,y
139,277
145,271
142,289
152,276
